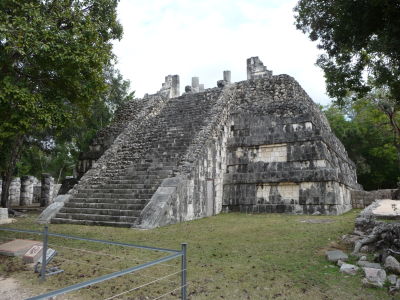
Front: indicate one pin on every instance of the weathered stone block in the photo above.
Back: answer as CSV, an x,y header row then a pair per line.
x,y
335,255
392,265
374,277
349,269
3,213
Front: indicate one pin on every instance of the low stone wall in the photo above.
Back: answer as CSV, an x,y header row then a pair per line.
x,y
361,199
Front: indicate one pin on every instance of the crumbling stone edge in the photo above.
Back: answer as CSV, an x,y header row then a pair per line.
x,y
163,207
51,210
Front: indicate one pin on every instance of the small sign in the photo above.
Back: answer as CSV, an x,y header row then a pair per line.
x,y
49,255
33,254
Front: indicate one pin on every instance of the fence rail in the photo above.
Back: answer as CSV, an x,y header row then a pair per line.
x,y
172,254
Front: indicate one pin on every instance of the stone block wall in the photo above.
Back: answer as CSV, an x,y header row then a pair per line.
x,y
361,199
282,156
278,155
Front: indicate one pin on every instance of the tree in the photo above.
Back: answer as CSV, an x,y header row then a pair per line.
x,y
361,41
102,110
60,156
52,57
366,134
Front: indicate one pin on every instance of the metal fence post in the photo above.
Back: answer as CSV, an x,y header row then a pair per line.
x,y
183,275
44,262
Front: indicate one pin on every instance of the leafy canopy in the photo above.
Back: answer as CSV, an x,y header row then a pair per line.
x,y
52,57
61,159
361,40
368,137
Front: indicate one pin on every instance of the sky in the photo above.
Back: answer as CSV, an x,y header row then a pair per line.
x,y
203,38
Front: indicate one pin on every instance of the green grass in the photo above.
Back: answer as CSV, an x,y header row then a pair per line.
x,y
230,256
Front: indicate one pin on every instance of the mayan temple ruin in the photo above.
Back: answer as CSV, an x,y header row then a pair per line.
x,y
255,146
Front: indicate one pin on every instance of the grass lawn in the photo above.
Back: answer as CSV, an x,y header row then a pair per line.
x,y
230,256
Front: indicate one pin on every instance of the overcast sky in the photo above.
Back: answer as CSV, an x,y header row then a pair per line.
x,y
205,37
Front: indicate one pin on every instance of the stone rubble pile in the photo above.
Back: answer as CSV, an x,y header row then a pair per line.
x,y
376,235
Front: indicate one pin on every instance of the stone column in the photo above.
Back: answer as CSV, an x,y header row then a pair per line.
x,y
175,87
195,84
201,87
47,190
3,213
14,192
256,69
37,190
171,87
227,76
26,191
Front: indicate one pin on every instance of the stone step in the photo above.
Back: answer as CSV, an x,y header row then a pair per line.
x,y
103,190
106,200
99,211
99,195
102,205
154,172
90,222
133,187
93,217
133,175
136,178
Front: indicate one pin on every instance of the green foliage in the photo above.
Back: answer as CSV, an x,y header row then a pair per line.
x,y
52,59
52,55
61,159
361,41
59,162
368,138
359,38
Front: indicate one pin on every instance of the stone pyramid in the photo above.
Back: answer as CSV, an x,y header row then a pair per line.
x,y
256,146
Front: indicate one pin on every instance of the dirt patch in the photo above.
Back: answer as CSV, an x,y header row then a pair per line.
x,y
11,289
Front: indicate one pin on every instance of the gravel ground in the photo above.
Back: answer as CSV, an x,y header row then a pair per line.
x,y
10,289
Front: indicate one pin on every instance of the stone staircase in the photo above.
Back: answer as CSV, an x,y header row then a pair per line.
x,y
148,154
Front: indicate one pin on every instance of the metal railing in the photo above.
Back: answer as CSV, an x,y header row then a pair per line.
x,y
173,254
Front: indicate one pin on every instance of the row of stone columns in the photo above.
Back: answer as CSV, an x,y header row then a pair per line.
x,y
27,190
255,70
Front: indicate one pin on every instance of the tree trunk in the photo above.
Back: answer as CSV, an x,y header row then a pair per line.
x,y
5,187
13,158
59,174
396,135
391,113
